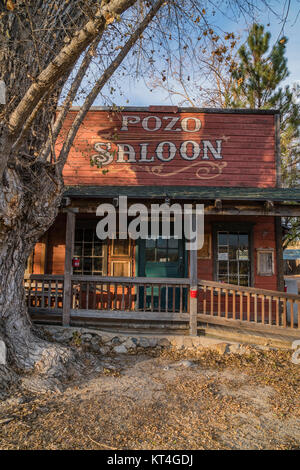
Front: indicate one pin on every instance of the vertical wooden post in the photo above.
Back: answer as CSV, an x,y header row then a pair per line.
x,y
193,286
279,254
70,233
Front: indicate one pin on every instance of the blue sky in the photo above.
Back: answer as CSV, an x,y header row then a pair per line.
x,y
137,93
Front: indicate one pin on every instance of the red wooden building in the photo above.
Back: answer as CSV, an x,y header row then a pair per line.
x,y
228,160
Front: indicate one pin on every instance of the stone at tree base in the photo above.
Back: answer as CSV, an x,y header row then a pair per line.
x,y
130,344
2,353
120,349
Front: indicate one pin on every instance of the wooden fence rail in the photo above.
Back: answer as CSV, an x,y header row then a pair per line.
x,y
247,304
162,299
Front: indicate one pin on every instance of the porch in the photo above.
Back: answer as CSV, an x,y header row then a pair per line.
x,y
159,302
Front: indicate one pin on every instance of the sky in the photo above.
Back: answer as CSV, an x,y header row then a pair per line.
x,y
136,93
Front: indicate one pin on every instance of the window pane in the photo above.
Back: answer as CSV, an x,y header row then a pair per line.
x,y
88,235
233,267
244,267
243,240
78,235
223,267
87,265
98,249
233,280
244,281
97,264
77,249
173,243
150,254
162,243
173,255
87,249
150,243
223,238
233,245
223,278
161,256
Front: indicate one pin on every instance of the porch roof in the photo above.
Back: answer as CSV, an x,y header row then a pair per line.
x,y
185,192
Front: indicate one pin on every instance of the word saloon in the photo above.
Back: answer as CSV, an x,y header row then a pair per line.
x,y
188,150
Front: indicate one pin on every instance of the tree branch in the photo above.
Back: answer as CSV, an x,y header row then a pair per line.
x,y
102,81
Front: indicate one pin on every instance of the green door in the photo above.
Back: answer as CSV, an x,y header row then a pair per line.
x,y
161,258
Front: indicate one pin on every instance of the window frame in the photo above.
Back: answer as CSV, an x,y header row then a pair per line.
x,y
91,224
246,227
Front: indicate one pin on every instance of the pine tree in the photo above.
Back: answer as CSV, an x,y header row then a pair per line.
x,y
259,71
256,78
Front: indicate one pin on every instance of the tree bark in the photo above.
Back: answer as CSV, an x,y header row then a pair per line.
x,y
24,218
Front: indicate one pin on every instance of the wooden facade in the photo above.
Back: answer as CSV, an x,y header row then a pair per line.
x,y
227,160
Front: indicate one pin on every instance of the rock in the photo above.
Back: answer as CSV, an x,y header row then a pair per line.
x,y
120,349
221,348
130,344
2,353
104,350
106,338
185,363
115,340
87,337
144,343
164,342
235,348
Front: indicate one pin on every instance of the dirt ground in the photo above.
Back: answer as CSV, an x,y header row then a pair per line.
x,y
165,400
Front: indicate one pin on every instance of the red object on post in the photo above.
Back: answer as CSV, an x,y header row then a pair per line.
x,y
193,293
75,262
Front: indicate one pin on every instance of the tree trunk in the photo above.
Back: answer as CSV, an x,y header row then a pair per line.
x,y
24,219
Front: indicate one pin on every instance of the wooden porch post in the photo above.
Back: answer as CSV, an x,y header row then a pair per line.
x,y
279,254
193,286
70,233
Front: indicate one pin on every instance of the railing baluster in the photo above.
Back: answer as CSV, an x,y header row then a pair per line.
x,y
248,306
270,310
212,301
219,301
226,303
284,313
233,305
241,304
204,300
255,307
277,311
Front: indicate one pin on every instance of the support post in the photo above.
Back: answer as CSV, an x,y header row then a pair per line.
x,y
279,254
193,286
70,233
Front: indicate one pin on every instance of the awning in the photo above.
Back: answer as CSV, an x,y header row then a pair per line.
x,y
185,192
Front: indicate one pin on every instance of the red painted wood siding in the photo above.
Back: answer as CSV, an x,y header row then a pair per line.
x,y
247,150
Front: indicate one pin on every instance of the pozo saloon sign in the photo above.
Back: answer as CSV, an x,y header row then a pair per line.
x,y
205,155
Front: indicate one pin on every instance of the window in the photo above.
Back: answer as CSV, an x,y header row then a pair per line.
x,y
90,251
265,262
233,257
162,250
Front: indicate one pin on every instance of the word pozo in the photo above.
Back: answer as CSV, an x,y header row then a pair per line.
x,y
165,151
187,222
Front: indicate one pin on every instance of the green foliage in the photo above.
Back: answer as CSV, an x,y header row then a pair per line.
x,y
256,78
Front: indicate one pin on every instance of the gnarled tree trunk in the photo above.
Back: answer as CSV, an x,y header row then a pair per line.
x,y
29,201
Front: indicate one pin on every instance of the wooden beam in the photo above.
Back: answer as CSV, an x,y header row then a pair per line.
x,y
124,315
70,233
279,254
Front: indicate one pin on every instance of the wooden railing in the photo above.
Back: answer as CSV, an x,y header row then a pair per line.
x,y
227,303
162,299
129,297
44,292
